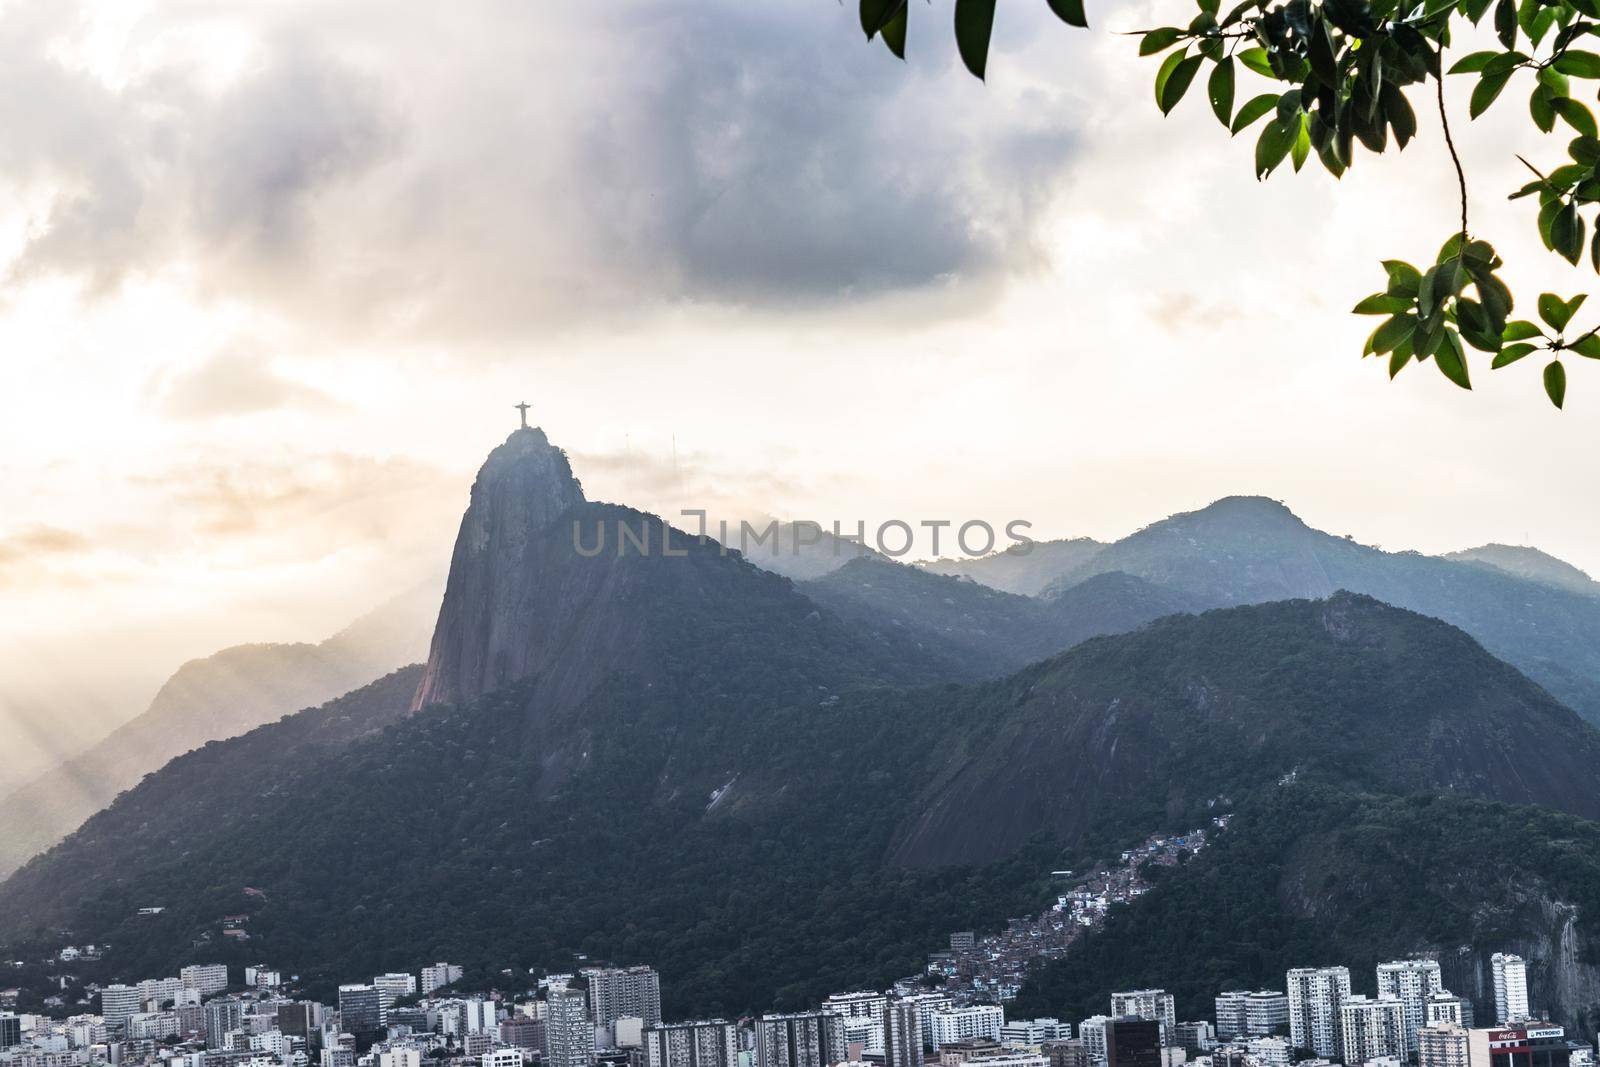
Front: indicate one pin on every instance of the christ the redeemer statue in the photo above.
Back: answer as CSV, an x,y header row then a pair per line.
x,y
522,409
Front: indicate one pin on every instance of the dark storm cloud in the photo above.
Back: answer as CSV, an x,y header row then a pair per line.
x,y
462,170
786,157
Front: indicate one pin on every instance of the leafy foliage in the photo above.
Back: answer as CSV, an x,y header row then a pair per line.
x,y
1342,70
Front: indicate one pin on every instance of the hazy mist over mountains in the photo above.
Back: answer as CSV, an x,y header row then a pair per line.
x,y
1238,550
869,736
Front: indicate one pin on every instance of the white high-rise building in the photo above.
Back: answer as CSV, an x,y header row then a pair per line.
x,y
393,986
208,978
401,1056
1266,1012
704,1044
1445,1007
1092,1032
863,1035
624,991
927,1004
440,974
1315,996
1510,987
159,992
1156,1004
902,1034
480,1017
804,1039
1035,1031
1271,1051
1411,982
864,1003
1231,1013
1443,1045
863,1015
568,1031
501,1057
1372,1029
965,1024
118,1004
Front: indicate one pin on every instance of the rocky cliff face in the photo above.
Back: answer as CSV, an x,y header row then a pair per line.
x,y
482,640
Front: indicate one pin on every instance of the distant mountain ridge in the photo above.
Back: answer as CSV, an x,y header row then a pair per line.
x,y
982,632
1026,573
1532,564
209,699
1246,550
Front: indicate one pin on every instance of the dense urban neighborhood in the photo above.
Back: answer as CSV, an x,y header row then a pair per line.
x,y
209,1015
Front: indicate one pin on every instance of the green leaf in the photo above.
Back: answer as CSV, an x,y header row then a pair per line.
x,y
1553,310
1391,332
1542,107
1404,279
1566,232
1398,359
894,33
974,26
1253,109
1472,63
1587,346
1159,40
1484,93
1555,81
1547,219
1070,12
1170,90
1555,383
1451,362
1574,304
1520,330
1505,22
875,14
1272,146
1319,50
1575,114
1301,149
1578,64
1220,90
1382,304
1256,59
1505,63
1397,109
1510,354
1164,72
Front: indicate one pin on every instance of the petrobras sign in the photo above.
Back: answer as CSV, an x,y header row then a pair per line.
x,y
1546,1032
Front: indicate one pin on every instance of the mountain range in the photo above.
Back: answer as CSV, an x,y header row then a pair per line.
x,y
220,696
632,743
1533,611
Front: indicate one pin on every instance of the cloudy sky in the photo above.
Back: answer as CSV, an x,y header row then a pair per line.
x,y
273,275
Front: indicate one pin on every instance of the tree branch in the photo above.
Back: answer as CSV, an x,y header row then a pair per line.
x,y
1449,142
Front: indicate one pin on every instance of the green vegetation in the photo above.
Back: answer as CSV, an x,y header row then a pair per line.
x,y
1331,75
762,833
1308,874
